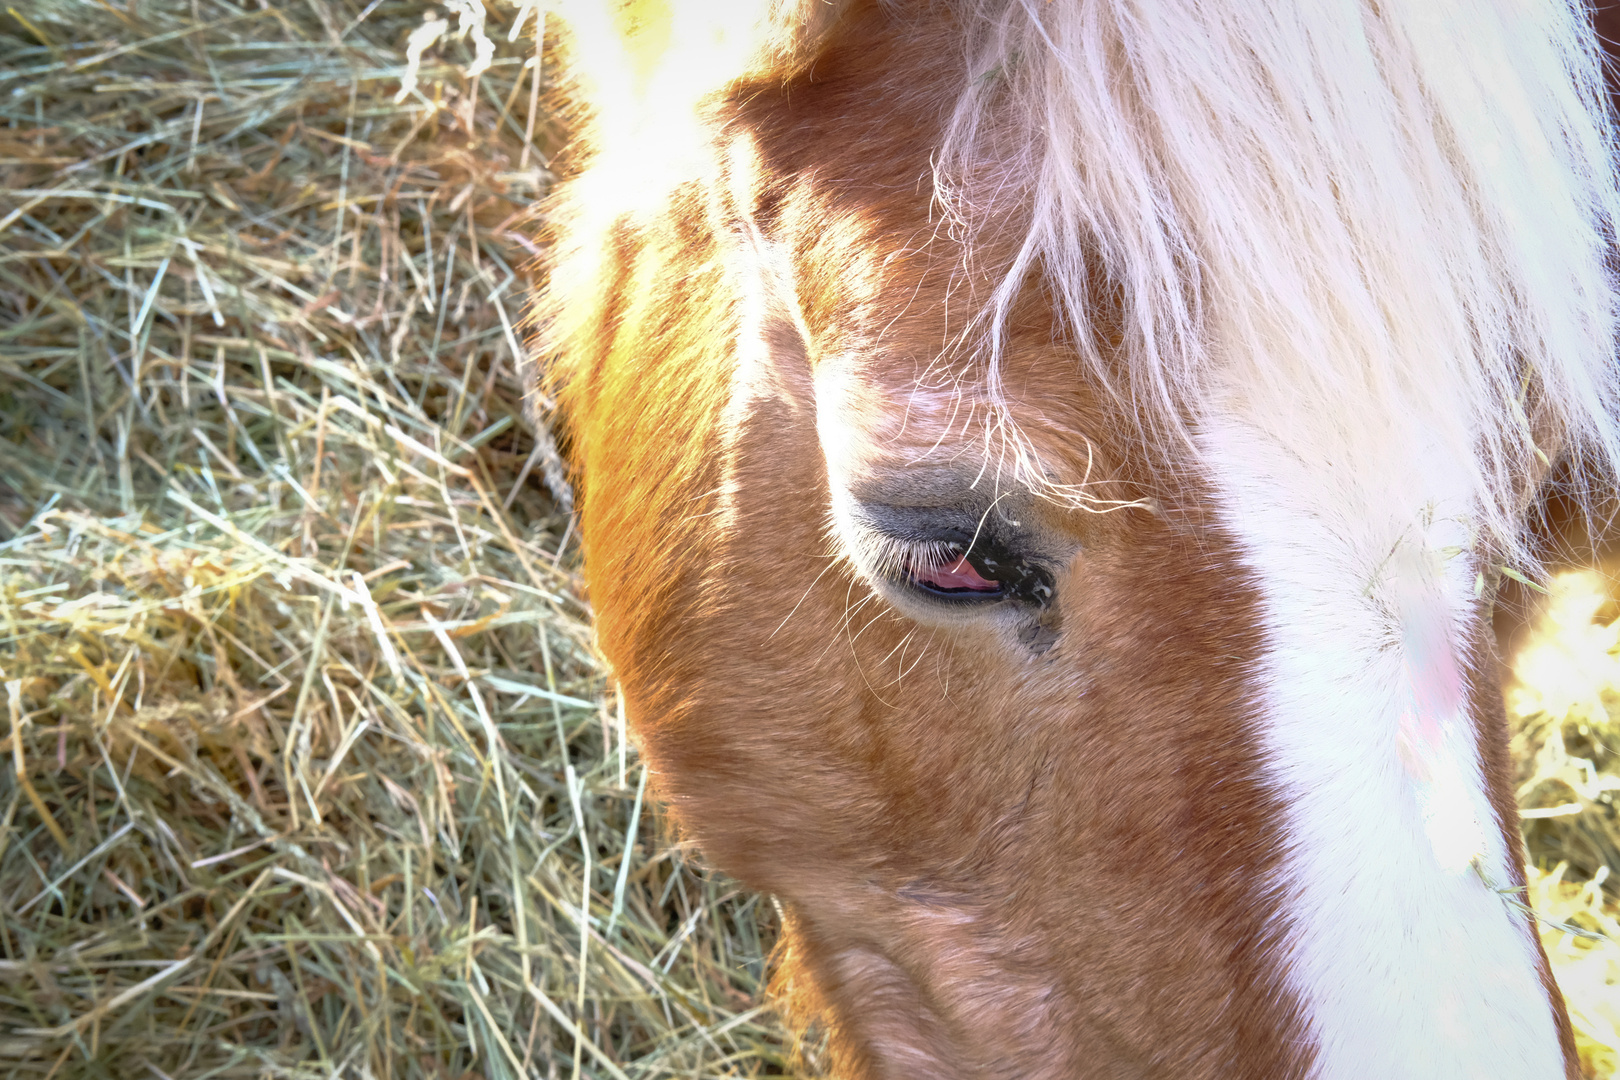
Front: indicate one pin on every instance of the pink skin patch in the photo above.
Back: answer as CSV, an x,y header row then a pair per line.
x,y
1437,684
1431,737
959,576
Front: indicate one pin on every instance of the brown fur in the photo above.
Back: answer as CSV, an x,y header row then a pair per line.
x,y
994,863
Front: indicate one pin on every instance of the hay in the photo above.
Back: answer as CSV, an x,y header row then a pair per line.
x,y
1565,714
313,771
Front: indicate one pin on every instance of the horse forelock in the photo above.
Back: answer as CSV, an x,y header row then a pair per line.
x,y
1408,205
1396,208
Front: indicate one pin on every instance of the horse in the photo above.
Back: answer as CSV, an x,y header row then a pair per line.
x,y
1043,469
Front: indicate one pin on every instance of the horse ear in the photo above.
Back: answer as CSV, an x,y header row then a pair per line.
x,y
767,36
800,29
671,54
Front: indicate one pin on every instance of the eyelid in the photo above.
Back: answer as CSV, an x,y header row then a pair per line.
x,y
896,559
890,542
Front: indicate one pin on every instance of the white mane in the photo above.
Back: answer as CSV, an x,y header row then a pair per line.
x,y
1405,206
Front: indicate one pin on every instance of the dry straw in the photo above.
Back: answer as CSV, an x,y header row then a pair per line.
x,y
312,769
1565,713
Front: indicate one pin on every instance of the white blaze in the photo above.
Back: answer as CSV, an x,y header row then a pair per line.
x,y
1406,963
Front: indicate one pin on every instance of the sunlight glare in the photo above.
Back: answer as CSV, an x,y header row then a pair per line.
x,y
1572,660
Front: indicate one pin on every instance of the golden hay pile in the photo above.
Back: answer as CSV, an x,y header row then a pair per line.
x,y
313,770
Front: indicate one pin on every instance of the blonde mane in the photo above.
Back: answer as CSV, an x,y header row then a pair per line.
x,y
1338,208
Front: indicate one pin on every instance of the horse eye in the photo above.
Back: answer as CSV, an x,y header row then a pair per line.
x,y
980,573
958,576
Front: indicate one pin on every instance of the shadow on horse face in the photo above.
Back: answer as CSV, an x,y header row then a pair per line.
x,y
1076,739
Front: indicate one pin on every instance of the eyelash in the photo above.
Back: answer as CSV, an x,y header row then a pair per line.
x,y
895,557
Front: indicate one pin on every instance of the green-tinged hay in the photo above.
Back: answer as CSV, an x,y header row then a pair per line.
x,y
310,766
